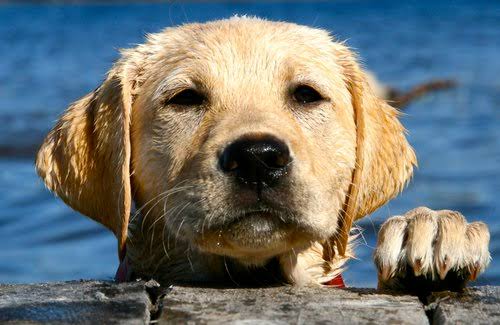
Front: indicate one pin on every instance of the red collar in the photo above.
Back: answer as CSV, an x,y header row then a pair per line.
x,y
337,282
124,271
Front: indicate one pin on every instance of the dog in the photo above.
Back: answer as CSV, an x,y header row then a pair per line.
x,y
242,151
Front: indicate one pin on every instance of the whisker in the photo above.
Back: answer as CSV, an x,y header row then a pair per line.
x,y
163,230
172,221
184,219
229,273
188,250
170,192
161,194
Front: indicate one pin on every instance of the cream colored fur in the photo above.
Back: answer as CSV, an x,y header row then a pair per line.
x,y
124,142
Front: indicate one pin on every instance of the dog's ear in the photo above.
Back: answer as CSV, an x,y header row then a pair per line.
x,y
384,159
85,158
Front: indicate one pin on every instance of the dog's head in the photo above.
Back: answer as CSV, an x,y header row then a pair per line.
x,y
243,137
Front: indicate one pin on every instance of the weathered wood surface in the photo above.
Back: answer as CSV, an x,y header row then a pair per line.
x,y
76,302
480,306
96,302
289,305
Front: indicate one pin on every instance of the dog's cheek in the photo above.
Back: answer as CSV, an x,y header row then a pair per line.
x,y
158,136
327,181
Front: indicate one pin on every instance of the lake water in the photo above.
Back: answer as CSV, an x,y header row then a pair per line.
x,y
51,55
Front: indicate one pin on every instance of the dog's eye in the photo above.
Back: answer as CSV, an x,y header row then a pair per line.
x,y
306,94
187,97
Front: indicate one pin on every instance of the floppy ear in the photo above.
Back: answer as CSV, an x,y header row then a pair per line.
x,y
384,159
85,158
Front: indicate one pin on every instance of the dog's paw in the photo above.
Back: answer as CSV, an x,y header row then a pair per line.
x,y
427,250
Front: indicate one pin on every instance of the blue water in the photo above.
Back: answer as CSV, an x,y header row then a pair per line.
x,y
51,55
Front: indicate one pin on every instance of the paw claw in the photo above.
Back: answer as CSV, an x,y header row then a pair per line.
x,y
474,271
386,273
443,269
417,266
443,266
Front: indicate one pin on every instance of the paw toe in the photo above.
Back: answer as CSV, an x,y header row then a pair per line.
x,y
477,256
421,232
388,252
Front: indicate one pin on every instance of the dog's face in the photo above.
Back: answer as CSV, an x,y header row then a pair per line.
x,y
255,129
242,138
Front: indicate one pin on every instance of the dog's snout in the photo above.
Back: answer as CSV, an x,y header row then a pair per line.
x,y
256,160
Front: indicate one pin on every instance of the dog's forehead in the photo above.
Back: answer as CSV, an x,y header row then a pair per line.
x,y
242,47
243,35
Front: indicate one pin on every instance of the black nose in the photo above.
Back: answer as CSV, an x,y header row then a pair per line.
x,y
256,160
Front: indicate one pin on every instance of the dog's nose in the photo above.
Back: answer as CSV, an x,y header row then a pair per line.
x,y
256,160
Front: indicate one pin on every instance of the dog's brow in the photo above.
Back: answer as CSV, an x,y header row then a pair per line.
x,y
306,79
175,80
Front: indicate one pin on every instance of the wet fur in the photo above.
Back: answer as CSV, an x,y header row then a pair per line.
x,y
121,144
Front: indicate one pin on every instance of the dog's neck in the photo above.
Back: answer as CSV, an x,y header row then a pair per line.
x,y
151,253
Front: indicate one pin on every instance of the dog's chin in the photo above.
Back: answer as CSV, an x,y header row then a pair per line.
x,y
252,239
256,232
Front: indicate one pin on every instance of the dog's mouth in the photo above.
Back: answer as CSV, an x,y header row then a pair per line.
x,y
253,235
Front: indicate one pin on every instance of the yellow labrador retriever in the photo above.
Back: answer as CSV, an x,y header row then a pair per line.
x,y
249,148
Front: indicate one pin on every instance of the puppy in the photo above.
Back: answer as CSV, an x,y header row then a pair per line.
x,y
249,148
